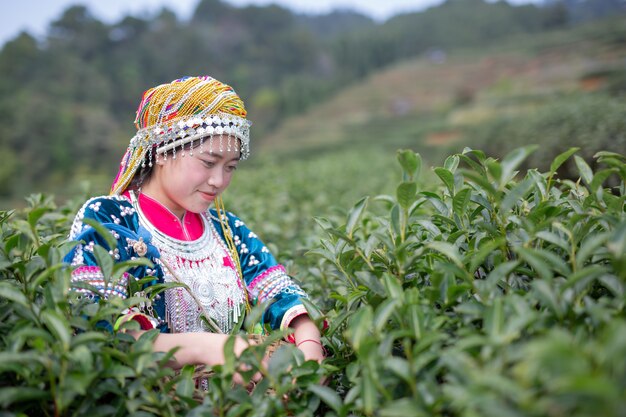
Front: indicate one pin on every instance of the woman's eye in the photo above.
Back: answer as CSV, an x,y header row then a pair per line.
x,y
208,164
231,167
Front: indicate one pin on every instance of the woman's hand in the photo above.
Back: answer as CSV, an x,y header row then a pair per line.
x,y
202,348
307,337
312,350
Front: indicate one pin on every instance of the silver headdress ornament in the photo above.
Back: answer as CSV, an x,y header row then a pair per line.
x,y
184,111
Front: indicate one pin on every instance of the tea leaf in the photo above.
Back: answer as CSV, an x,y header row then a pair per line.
x,y
404,407
446,177
186,384
359,326
57,326
10,292
450,251
536,261
451,163
460,201
512,160
105,262
383,312
327,395
355,214
411,163
103,232
516,194
405,193
14,395
584,169
561,158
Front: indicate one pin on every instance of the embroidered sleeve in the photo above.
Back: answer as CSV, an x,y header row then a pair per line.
x,y
118,216
265,278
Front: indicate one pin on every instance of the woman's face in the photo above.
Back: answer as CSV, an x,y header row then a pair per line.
x,y
191,182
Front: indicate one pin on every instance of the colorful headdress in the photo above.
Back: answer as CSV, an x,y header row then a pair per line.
x,y
183,111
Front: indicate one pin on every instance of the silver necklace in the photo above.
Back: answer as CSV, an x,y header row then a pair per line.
x,y
200,265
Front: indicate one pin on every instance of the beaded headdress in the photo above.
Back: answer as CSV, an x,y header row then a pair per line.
x,y
184,111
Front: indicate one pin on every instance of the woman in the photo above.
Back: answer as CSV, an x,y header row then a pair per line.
x,y
191,135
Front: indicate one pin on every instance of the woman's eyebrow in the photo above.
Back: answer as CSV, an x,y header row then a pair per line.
x,y
220,156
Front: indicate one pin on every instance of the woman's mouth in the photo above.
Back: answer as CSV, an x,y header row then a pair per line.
x,y
207,196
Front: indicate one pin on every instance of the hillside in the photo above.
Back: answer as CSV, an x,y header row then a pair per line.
x,y
438,100
309,83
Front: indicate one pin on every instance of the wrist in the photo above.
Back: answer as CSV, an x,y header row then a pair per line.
x,y
308,341
312,349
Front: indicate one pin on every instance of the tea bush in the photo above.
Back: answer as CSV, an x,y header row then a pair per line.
x,y
592,122
493,294
493,297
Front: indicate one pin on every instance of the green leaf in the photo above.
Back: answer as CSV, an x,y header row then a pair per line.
x,y
494,318
546,295
395,219
451,163
21,395
600,177
383,312
328,395
430,227
606,154
8,360
58,326
401,367
516,194
480,155
512,160
476,258
355,214
447,177
405,194
11,292
449,250
393,286
105,261
312,310
435,200
359,326
617,241
369,394
411,163
403,407
102,231
585,171
589,246
460,201
561,158
371,281
481,181
536,261
554,238
187,384
583,277
35,214
494,168
88,337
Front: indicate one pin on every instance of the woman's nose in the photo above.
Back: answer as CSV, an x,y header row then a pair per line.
x,y
216,179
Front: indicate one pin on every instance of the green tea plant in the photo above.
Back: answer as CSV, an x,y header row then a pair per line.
x,y
60,357
497,295
488,293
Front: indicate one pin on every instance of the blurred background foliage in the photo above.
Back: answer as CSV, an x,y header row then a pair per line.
x,y
464,72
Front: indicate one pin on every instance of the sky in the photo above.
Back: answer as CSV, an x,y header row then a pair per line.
x,y
34,16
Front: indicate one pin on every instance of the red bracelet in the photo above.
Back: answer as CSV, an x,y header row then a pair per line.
x,y
309,340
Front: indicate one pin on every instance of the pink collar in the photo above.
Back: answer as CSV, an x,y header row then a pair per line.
x,y
190,228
